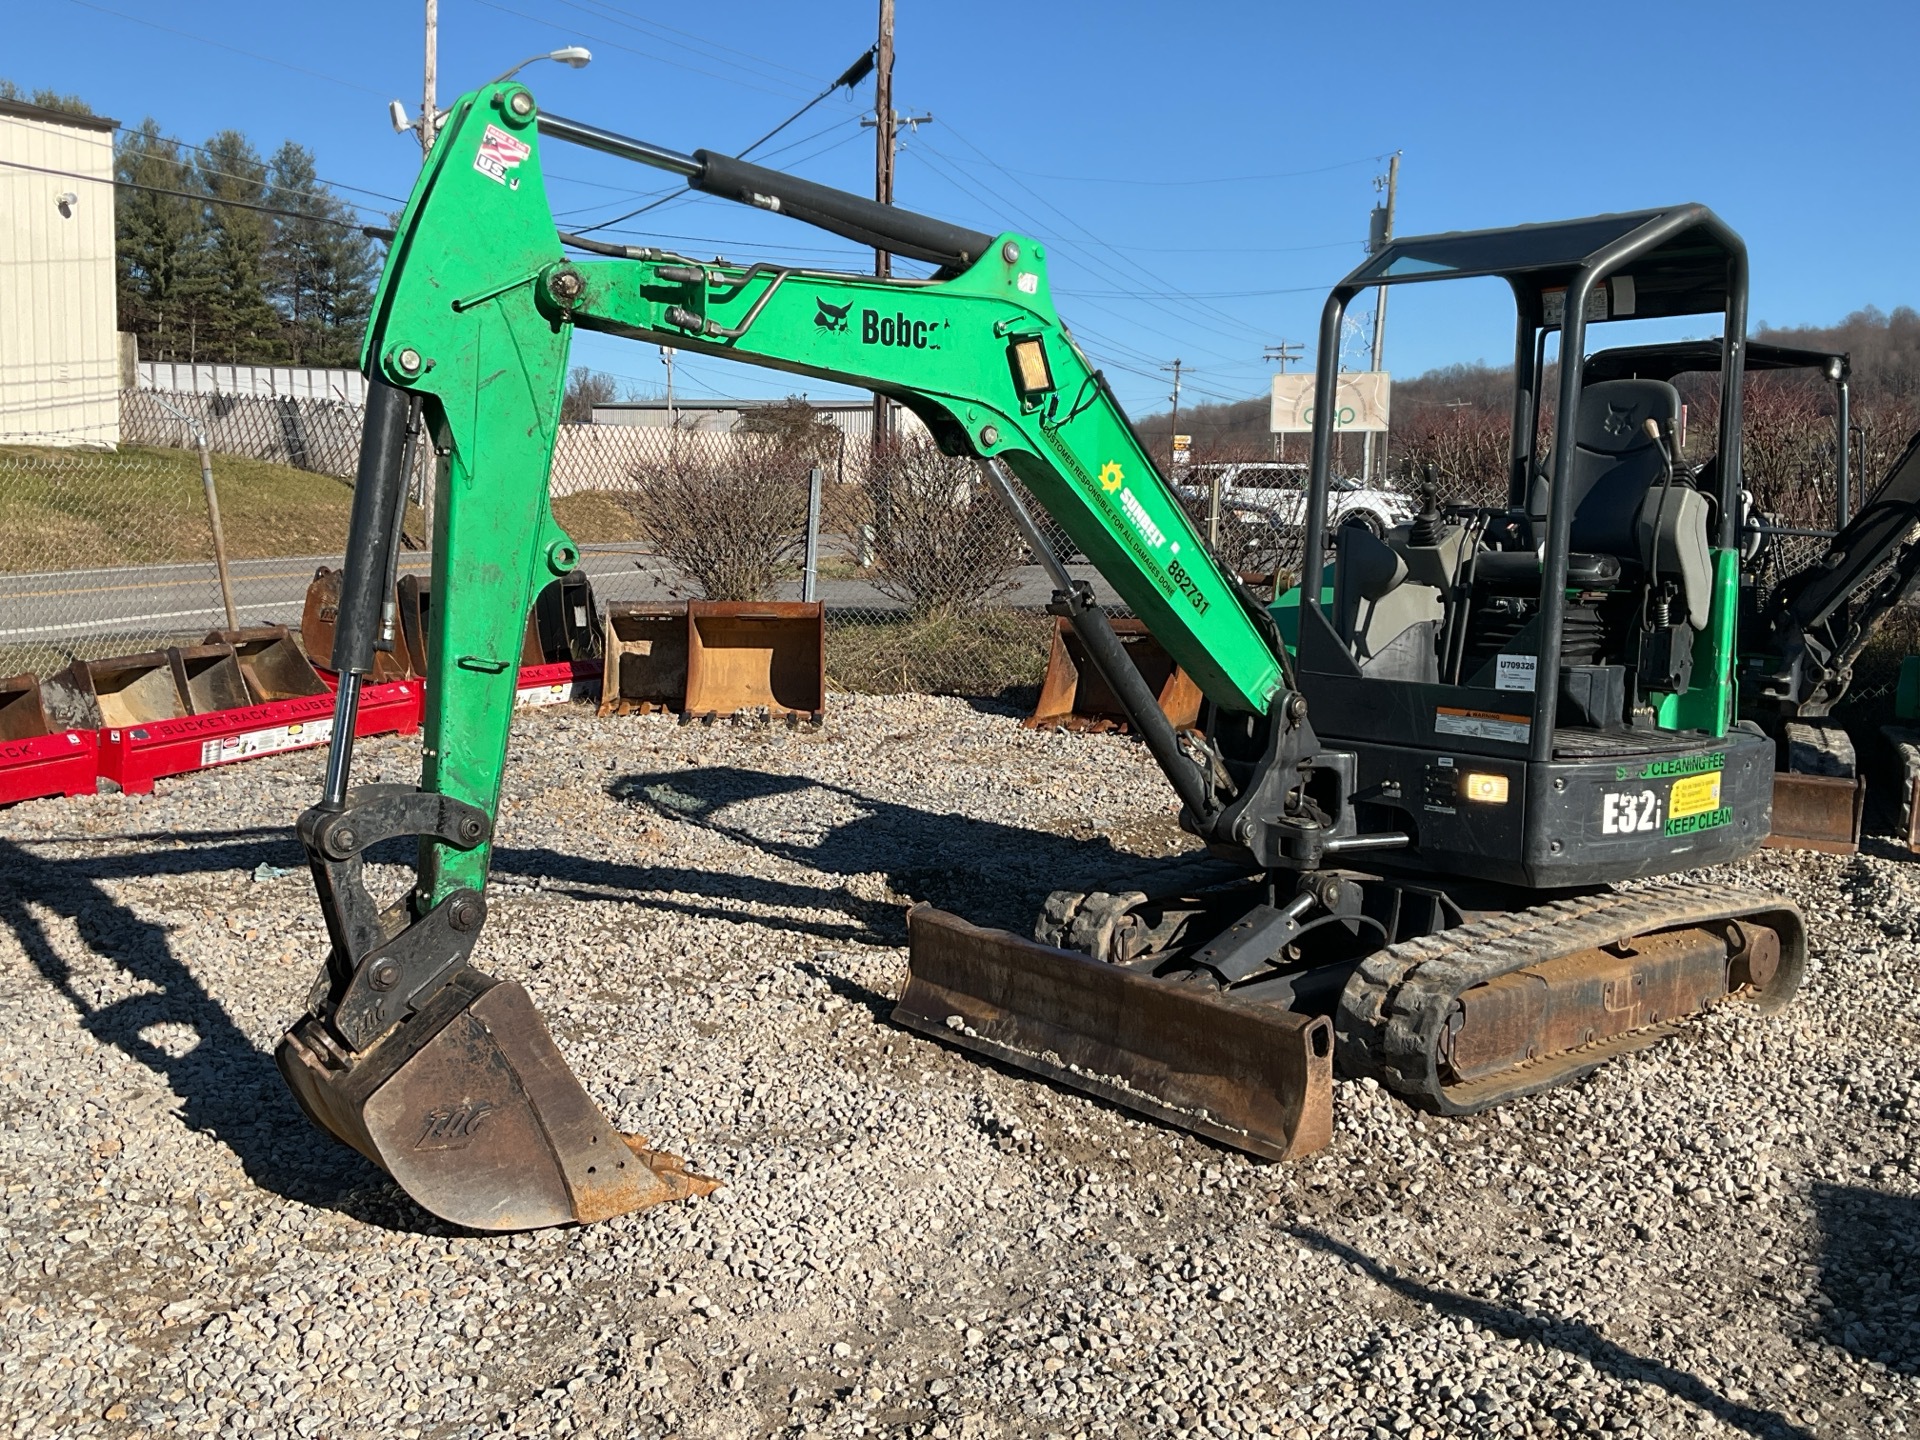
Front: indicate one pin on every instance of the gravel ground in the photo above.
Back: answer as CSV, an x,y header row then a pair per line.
x,y
1720,1235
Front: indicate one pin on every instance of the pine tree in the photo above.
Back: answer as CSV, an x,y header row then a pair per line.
x,y
245,327
322,269
45,99
162,246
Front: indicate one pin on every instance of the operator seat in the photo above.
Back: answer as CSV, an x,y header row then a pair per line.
x,y
1620,526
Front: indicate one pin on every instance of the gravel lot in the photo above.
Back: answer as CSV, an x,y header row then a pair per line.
x,y
1719,1236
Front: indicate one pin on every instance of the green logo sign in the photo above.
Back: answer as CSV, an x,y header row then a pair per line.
x,y
1683,765
1705,820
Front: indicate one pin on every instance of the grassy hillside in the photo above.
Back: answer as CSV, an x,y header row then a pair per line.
x,y
75,509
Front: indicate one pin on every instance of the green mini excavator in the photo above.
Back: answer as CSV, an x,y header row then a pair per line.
x,y
1414,786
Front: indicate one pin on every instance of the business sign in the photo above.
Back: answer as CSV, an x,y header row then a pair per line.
x,y
1182,449
1362,400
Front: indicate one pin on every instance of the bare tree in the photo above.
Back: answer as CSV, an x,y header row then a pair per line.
x,y
1468,446
943,544
585,389
729,511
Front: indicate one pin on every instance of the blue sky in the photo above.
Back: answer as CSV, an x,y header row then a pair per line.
x,y
1126,134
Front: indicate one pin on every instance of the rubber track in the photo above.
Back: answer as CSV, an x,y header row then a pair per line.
x,y
1393,1009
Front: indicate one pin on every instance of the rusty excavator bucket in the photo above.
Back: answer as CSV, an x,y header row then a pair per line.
x,y
469,1106
1250,1074
1073,696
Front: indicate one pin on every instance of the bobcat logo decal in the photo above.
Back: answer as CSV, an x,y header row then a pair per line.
x,y
832,317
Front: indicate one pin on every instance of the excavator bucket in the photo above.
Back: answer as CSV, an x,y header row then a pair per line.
x,y
22,716
414,597
1820,798
115,693
209,677
317,619
270,663
1246,1073
469,1106
645,657
559,626
1074,697
757,655
562,626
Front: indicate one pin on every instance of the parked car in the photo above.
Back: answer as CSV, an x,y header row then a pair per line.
x,y
1275,493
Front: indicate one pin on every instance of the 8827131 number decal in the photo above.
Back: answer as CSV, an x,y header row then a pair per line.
x,y
1187,587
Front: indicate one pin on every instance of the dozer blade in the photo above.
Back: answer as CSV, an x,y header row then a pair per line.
x,y
1249,1074
469,1106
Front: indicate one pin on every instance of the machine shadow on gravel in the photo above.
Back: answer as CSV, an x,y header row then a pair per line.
x,y
995,874
1574,1337
230,1088
1870,1266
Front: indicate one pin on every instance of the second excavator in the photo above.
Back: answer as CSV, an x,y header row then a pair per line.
x,y
1416,785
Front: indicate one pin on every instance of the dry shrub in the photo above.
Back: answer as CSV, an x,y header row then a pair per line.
x,y
943,544
1468,446
1786,448
1882,427
730,512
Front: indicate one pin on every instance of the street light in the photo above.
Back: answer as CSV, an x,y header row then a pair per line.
x,y
575,57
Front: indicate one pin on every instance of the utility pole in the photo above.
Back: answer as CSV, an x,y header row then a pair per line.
x,y
883,151
429,105
1172,442
1282,354
1379,233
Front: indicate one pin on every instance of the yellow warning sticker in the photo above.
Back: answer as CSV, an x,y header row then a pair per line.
x,y
1694,795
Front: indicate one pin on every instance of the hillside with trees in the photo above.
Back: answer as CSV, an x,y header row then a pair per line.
x,y
1457,419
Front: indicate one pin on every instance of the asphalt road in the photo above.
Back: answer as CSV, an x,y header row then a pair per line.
x,y
49,608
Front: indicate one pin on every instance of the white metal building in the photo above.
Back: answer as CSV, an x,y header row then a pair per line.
x,y
59,357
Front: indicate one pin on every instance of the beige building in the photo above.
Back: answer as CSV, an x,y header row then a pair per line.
x,y
59,357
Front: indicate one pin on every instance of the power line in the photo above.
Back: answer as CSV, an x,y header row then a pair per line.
x,y
201,198
1157,282
1211,294
682,193
222,45
1208,180
644,26
847,79
1154,298
327,194
791,91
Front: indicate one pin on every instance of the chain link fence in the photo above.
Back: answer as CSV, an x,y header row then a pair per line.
x,y
926,581
924,578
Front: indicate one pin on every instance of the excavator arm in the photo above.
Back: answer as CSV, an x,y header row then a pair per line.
x,y
442,1075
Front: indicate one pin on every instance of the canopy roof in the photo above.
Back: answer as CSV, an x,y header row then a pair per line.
x,y
1674,261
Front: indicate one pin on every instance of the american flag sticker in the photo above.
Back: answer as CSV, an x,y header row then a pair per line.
x,y
500,152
